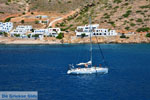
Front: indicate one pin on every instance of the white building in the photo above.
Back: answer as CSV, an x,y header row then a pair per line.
x,y
6,27
85,29
104,32
95,31
41,31
54,32
21,30
47,32
41,16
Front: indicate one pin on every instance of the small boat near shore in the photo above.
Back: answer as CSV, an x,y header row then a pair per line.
x,y
88,66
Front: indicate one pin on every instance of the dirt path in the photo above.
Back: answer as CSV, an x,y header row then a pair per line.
x,y
27,8
58,20
54,21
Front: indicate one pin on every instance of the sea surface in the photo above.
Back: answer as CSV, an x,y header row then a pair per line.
x,y
43,68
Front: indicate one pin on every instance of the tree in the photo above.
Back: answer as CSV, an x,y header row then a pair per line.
x,y
5,34
36,35
29,35
32,30
123,36
60,36
82,35
23,13
36,22
148,35
1,33
22,21
17,35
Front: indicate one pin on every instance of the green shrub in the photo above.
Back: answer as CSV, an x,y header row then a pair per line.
x,y
23,13
126,4
62,29
29,35
123,36
127,28
4,34
17,35
8,19
131,19
138,11
62,24
146,19
60,36
139,20
82,35
127,13
117,1
36,22
32,30
69,2
106,16
116,7
132,24
148,35
146,29
1,12
35,35
22,21
146,6
1,33
112,23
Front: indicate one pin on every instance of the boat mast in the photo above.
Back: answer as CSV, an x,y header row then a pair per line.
x,y
90,39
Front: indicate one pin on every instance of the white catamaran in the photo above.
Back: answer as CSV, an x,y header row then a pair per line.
x,y
89,68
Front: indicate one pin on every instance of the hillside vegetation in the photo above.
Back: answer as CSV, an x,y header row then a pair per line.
x,y
12,6
113,14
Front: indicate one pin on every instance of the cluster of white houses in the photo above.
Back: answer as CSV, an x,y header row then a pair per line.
x,y
6,27
24,31
94,31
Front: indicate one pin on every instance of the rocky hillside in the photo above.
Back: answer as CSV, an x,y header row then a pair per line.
x,y
61,6
113,14
12,6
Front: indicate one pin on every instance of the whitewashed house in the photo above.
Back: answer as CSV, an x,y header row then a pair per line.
x,y
42,16
54,32
41,31
21,30
95,31
85,29
104,32
6,27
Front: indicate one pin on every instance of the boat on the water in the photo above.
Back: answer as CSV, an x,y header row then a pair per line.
x,y
90,70
88,66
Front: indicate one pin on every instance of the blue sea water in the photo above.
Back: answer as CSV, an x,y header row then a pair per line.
x,y
43,68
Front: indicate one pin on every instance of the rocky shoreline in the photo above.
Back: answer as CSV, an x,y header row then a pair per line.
x,y
136,38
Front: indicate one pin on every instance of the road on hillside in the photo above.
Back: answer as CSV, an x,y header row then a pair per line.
x,y
51,23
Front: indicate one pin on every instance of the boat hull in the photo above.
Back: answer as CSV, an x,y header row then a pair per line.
x,y
92,70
